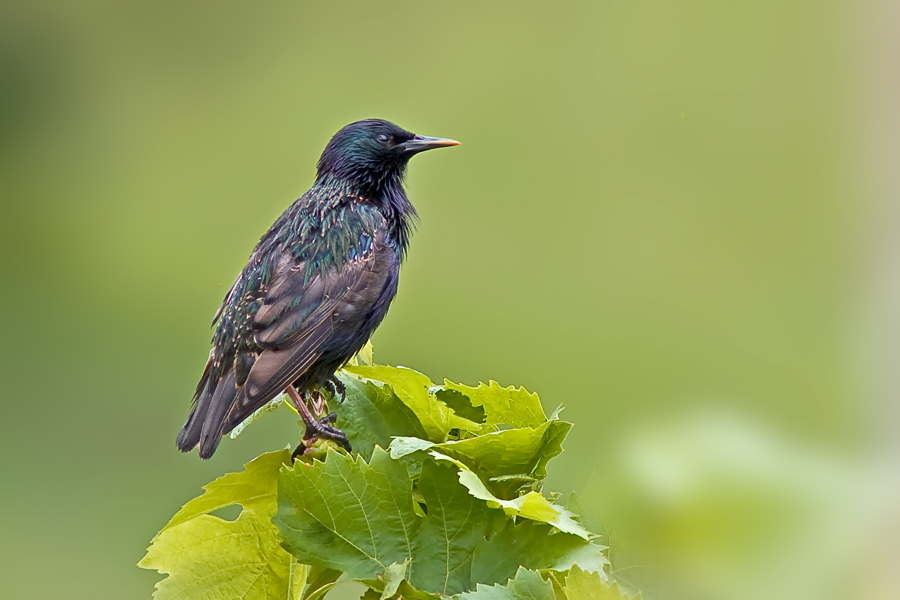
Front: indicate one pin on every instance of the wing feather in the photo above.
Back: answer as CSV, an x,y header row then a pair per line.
x,y
303,325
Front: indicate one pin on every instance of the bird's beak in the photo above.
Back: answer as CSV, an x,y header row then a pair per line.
x,y
421,143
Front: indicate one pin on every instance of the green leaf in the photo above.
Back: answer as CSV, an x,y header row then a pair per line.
x,y
408,592
454,527
507,460
532,505
533,545
371,594
511,406
360,518
557,578
371,415
404,591
460,404
347,515
527,585
319,582
404,446
581,585
414,390
208,557
520,452
512,451
253,488
296,581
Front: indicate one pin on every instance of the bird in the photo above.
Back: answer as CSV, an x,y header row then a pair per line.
x,y
315,288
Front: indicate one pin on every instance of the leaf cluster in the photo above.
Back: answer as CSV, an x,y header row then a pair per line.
x,y
443,496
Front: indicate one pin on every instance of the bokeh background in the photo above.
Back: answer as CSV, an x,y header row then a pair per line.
x,y
676,218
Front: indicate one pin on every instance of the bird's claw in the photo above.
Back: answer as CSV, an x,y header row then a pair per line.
x,y
336,388
323,429
328,419
299,451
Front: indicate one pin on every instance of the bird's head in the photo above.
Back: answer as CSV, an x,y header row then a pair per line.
x,y
371,155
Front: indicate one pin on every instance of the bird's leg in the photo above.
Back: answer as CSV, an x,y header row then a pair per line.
x,y
315,428
299,402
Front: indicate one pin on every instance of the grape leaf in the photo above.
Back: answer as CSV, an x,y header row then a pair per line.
x,y
530,585
511,451
404,446
359,518
253,488
504,459
414,390
455,525
527,585
532,505
557,578
404,591
319,582
208,557
347,515
460,404
533,545
356,517
511,406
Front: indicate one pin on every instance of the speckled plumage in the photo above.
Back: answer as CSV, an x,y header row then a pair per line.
x,y
317,284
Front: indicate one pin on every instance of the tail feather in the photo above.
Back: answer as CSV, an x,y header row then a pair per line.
x,y
189,436
205,423
213,426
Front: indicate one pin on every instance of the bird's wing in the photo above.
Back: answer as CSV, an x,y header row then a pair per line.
x,y
296,329
301,318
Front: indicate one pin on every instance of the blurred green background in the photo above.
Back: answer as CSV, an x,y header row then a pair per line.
x,y
658,218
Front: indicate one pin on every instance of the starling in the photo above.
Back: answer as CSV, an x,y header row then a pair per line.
x,y
316,286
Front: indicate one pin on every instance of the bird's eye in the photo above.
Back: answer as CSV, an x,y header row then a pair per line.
x,y
383,138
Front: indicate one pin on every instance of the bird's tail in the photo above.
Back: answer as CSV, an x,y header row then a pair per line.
x,y
190,434
207,420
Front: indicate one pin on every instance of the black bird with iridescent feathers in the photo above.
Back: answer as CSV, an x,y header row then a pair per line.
x,y
315,288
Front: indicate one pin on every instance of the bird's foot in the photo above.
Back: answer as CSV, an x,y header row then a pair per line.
x,y
323,429
316,429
